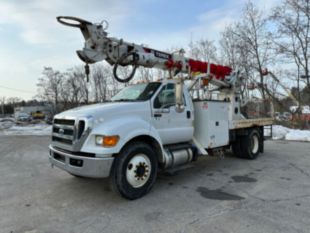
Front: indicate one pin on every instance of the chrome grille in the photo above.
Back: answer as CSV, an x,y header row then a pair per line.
x,y
64,131
70,133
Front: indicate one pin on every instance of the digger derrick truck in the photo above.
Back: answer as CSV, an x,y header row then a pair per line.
x,y
201,109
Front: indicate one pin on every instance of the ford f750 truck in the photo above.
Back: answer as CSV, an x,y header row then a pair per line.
x,y
154,125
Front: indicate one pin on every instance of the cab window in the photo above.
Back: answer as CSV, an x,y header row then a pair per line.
x,y
166,97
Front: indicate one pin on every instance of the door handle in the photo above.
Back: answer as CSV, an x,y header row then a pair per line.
x,y
157,115
188,114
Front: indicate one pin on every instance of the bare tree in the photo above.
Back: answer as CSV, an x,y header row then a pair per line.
x,y
73,86
253,34
292,18
204,50
81,86
70,92
247,44
145,74
50,85
100,78
13,101
229,47
2,102
235,51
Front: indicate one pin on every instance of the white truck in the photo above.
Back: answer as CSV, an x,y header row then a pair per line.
x,y
152,125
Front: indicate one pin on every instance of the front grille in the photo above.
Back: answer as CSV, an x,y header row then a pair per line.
x,y
62,140
70,134
64,122
63,131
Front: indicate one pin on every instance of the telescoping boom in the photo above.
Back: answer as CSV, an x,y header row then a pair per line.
x,y
99,46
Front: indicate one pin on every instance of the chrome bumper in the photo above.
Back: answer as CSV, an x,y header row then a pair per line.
x,y
80,165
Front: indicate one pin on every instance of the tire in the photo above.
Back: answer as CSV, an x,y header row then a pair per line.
x,y
236,148
134,170
262,139
250,144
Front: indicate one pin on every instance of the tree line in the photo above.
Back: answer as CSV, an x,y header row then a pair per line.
x,y
278,42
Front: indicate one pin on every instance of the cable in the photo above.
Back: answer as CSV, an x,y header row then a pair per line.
x,y
119,61
14,89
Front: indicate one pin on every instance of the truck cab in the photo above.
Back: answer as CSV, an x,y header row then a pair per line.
x,y
88,141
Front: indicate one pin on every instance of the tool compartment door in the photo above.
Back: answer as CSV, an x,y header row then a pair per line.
x,y
211,123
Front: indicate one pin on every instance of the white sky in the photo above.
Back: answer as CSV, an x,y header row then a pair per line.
x,y
31,38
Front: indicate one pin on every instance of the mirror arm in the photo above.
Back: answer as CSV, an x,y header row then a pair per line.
x,y
179,104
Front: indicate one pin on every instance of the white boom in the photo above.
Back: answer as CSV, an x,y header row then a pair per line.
x,y
98,47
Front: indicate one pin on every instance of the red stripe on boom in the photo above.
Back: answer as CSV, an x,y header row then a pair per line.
x,y
219,71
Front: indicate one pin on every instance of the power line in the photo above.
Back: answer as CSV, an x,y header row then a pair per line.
x,y
14,89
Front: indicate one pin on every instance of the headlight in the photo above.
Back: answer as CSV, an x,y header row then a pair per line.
x,y
107,141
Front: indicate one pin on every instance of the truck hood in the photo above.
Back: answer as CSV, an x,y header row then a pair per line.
x,y
107,110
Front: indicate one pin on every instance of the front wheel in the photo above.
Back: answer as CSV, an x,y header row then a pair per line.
x,y
134,170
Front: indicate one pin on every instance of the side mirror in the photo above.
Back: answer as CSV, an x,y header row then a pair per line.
x,y
179,104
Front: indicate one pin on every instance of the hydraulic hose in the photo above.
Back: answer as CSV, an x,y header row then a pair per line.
x,y
120,61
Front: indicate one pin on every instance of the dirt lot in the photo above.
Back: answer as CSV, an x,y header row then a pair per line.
x,y
270,194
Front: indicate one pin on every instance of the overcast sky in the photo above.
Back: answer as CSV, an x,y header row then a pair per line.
x,y
31,38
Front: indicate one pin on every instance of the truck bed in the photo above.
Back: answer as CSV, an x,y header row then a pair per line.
x,y
246,123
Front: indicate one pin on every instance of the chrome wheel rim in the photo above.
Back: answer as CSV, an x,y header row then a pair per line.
x,y
138,170
255,144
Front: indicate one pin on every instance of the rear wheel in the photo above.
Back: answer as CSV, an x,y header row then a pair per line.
x,y
134,170
250,144
236,148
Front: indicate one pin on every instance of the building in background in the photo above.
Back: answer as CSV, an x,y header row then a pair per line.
x,y
43,111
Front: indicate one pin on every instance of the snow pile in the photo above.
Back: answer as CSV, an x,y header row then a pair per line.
x,y
298,135
31,129
279,132
304,109
6,123
282,133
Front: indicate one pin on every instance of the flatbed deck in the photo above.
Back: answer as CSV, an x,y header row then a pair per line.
x,y
246,123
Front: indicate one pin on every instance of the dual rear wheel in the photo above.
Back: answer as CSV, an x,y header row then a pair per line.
x,y
248,146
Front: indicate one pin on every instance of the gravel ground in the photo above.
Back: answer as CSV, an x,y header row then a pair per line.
x,y
270,194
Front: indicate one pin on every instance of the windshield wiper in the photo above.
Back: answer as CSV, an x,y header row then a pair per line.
x,y
123,100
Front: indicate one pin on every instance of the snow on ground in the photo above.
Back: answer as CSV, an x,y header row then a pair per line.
x,y
30,129
9,127
280,132
6,123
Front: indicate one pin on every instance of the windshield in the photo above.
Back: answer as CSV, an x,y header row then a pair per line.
x,y
138,92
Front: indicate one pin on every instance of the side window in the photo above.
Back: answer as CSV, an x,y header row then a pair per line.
x,y
166,97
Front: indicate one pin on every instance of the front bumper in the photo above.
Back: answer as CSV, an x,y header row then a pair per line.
x,y
79,165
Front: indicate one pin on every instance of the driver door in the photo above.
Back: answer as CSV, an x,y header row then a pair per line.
x,y
172,126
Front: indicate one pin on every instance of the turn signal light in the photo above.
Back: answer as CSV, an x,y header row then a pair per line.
x,y
107,141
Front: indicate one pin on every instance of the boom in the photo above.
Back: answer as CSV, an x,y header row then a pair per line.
x,y
98,47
